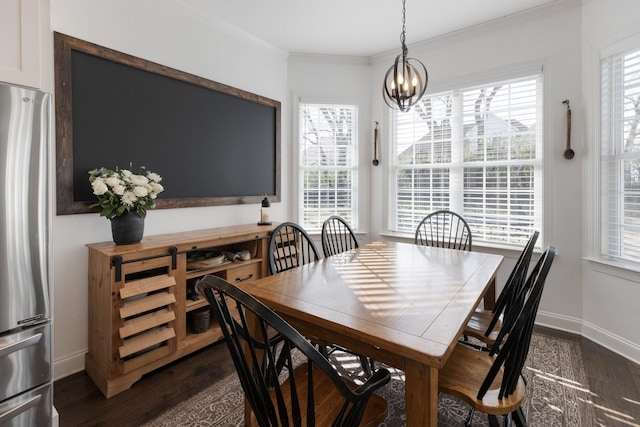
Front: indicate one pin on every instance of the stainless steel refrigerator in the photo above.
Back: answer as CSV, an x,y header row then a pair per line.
x,y
26,390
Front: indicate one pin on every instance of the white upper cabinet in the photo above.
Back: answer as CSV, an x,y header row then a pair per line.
x,y
20,42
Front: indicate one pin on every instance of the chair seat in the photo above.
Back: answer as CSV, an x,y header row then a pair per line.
x,y
478,325
328,400
463,375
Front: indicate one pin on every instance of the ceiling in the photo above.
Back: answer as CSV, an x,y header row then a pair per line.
x,y
355,27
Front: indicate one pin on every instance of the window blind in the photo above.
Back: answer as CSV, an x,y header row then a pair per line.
x,y
476,151
620,161
327,163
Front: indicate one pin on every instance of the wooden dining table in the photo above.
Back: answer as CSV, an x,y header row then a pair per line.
x,y
401,304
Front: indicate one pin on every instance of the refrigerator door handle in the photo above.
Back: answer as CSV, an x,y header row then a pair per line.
x,y
19,345
25,406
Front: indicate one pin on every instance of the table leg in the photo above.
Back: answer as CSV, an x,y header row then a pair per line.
x,y
421,394
490,296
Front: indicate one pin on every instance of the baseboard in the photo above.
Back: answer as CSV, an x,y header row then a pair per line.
x,y
613,342
55,417
559,322
606,339
70,364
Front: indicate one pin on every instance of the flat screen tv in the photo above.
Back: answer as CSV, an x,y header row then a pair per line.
x,y
211,143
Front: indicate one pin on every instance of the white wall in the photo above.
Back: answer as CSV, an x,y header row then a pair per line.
x,y
610,295
173,34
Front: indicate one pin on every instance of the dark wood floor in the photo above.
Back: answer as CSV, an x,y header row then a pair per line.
x,y
613,381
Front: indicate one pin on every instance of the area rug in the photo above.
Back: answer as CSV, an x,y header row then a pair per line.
x,y
556,394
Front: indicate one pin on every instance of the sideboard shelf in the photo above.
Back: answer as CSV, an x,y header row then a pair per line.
x,y
140,305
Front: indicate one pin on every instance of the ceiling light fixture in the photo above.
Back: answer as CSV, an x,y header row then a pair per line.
x,y
405,82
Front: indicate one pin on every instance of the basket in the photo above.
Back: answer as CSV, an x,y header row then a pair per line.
x,y
199,320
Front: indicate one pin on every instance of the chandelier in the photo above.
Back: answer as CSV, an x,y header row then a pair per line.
x,y
406,80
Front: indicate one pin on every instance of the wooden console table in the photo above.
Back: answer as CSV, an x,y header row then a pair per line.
x,y
139,309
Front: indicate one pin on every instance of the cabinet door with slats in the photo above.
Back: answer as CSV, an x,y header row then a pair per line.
x,y
144,314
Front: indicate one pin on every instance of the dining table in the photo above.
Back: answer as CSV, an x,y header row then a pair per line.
x,y
401,304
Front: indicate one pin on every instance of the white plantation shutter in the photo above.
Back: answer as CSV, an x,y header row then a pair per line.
x,y
328,163
476,151
620,162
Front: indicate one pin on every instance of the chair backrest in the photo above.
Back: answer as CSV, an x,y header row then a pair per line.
x,y
507,302
337,236
444,229
262,345
513,353
290,246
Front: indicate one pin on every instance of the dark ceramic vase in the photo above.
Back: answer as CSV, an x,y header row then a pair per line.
x,y
127,228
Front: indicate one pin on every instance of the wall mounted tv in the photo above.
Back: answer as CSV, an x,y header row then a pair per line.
x,y
211,143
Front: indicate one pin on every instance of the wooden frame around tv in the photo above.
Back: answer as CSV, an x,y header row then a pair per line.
x,y
64,45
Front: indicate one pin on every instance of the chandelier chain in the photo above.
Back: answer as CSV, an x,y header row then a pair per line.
x,y
402,35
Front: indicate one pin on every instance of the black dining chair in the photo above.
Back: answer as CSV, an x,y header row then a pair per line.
x,y
485,325
337,236
444,229
290,246
286,381
493,383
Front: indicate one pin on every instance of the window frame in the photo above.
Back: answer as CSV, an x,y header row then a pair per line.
x,y
542,168
299,168
601,130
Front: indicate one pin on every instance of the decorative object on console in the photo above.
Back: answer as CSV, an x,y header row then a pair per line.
x,y
124,198
406,80
127,228
264,211
238,256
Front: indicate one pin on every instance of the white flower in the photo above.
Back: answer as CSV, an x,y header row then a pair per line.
x,y
156,188
128,198
123,188
138,180
118,189
112,181
140,191
154,177
99,187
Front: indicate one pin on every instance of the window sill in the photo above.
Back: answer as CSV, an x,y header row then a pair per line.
x,y
507,252
615,268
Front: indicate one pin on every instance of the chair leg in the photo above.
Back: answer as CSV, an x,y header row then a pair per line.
x,y
519,418
493,421
468,421
508,420
367,366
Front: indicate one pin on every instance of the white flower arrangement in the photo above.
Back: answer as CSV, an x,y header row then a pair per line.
x,y
121,190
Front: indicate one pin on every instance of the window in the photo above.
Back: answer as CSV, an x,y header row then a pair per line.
x,y
328,163
620,156
476,151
